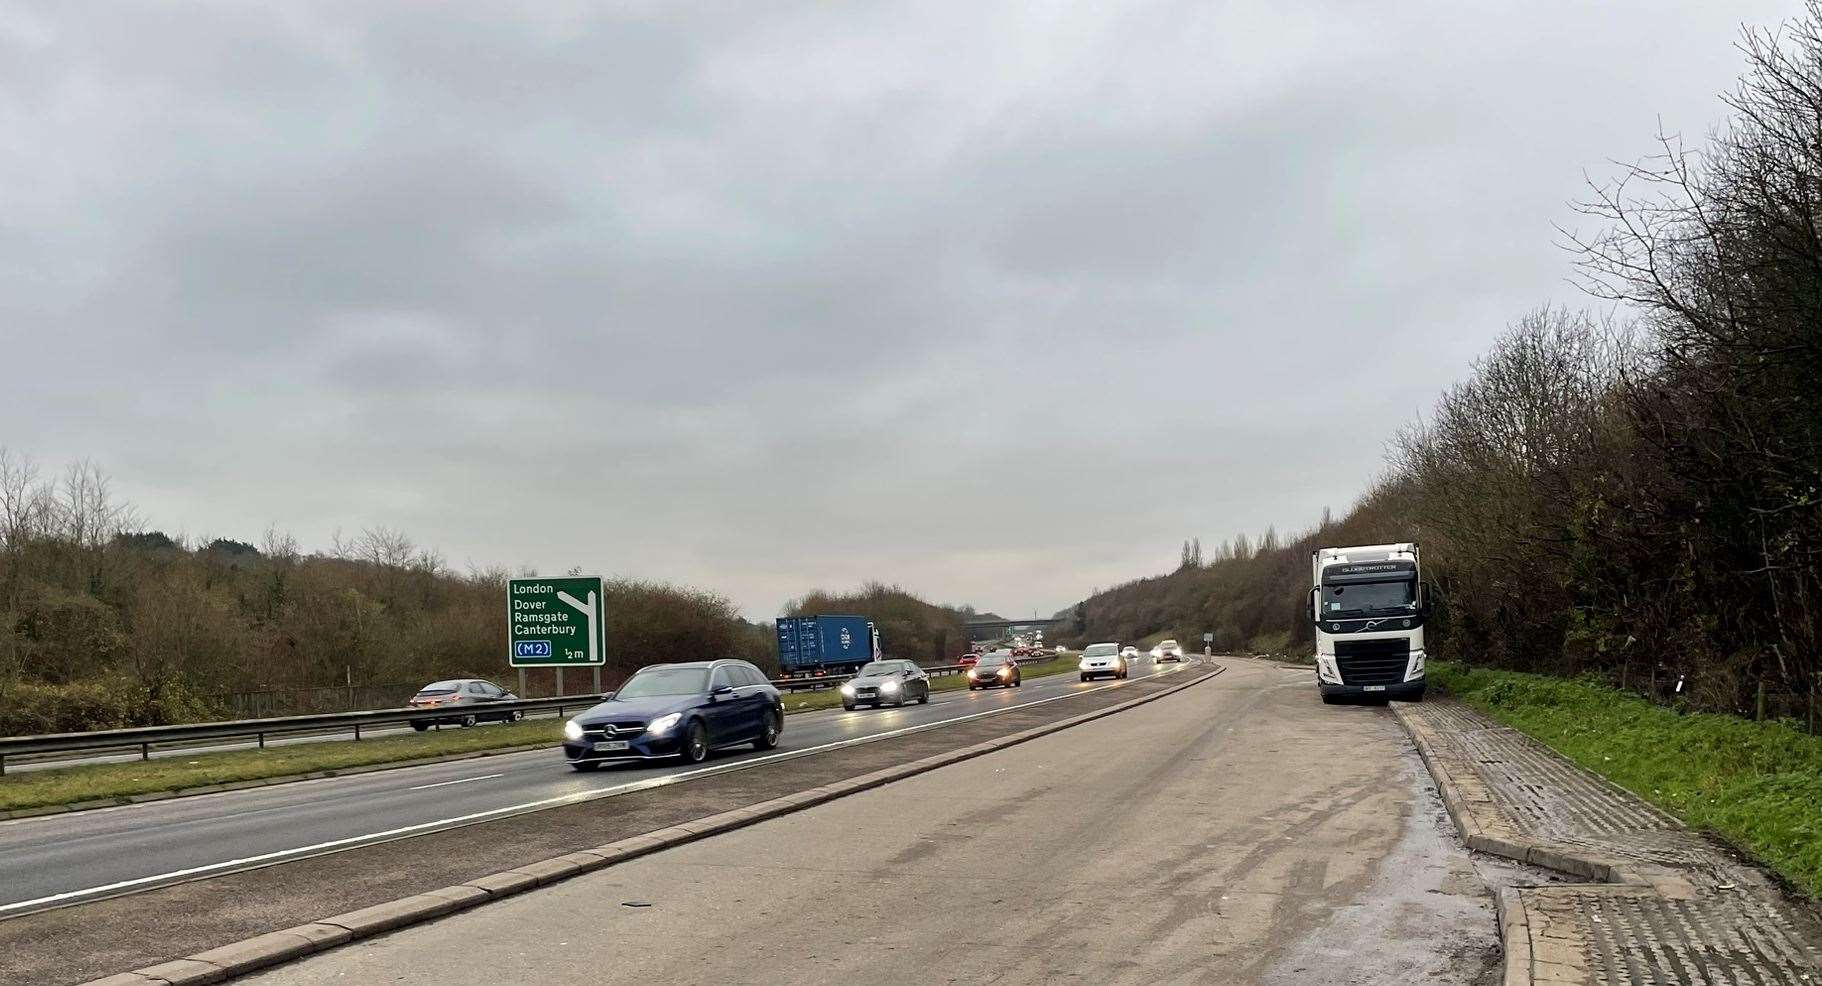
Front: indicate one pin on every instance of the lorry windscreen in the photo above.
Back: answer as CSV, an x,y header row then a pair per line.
x,y
1367,598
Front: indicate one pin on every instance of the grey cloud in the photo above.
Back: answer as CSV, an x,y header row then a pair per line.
x,y
997,302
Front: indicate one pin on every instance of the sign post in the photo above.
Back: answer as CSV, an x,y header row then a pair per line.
x,y
556,623
1208,645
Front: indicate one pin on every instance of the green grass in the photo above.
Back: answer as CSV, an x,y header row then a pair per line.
x,y
70,785
92,782
1758,785
1275,644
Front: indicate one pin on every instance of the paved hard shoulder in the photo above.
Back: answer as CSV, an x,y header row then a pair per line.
x,y
1663,904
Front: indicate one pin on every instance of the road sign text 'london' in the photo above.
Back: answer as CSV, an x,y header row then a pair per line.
x,y
555,622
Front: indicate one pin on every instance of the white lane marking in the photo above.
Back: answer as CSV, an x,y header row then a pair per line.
x,y
321,848
464,780
836,715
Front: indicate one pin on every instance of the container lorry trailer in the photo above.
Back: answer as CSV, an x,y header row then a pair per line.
x,y
814,645
1368,604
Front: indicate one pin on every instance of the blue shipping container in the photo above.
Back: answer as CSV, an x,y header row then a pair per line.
x,y
809,642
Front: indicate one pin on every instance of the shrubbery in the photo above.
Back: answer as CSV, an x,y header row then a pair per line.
x,y
909,627
103,624
1638,498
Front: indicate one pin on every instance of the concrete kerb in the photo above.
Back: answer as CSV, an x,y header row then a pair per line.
x,y
1514,936
1501,841
1522,966
274,948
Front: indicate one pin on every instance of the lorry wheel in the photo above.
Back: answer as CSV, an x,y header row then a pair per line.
x,y
420,726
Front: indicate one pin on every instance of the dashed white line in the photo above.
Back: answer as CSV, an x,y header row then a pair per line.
x,y
464,780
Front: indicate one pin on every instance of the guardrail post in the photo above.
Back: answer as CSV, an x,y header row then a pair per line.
x,y
2,766
262,741
145,751
357,732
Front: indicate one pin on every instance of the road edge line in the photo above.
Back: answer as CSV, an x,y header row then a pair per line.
x,y
277,947
223,787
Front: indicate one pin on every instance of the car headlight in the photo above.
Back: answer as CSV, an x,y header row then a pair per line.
x,y
1005,671
889,687
973,673
847,689
664,724
1083,665
572,730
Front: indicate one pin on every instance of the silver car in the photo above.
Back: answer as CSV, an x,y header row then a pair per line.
x,y
468,701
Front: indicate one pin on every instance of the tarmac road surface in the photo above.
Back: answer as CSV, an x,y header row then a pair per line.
x,y
1238,831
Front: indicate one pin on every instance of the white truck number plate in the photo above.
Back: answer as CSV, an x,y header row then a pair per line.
x,y
1373,688
609,746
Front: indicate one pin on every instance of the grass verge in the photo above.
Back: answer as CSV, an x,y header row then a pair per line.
x,y
92,782
96,782
1758,785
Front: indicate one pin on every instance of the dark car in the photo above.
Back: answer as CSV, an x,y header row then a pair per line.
x,y
876,684
468,701
997,670
677,710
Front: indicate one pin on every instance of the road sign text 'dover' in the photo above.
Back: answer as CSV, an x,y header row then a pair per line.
x,y
555,622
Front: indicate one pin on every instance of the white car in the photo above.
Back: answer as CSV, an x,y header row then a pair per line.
x,y
1167,650
1102,659
1129,652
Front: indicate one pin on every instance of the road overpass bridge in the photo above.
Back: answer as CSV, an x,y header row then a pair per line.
x,y
1033,623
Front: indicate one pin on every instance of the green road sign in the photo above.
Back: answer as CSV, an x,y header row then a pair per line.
x,y
555,623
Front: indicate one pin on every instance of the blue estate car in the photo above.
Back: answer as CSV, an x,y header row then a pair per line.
x,y
677,710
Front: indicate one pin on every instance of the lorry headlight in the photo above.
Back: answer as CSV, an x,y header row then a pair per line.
x,y
572,730
664,724
1325,669
1416,666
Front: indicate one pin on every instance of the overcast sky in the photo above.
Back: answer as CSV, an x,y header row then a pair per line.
x,y
1000,302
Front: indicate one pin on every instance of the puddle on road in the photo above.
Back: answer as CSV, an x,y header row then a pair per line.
x,y
1428,916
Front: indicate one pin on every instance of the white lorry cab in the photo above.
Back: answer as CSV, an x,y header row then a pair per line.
x,y
1368,604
